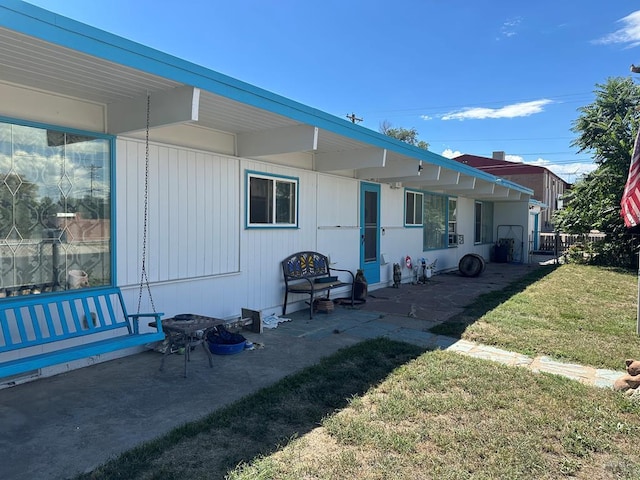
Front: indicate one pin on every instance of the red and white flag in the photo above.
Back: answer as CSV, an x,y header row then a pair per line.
x,y
630,202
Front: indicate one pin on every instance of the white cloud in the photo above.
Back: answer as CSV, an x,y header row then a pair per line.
x,y
510,27
570,172
448,153
523,109
514,158
628,34
426,117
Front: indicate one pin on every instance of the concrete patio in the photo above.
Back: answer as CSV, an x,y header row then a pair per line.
x,y
59,426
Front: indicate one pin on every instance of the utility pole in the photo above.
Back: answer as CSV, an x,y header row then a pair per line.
x,y
92,174
353,118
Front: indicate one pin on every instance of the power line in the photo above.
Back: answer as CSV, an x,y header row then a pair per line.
x,y
500,139
515,164
491,102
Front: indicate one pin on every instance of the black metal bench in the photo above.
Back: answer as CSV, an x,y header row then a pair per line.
x,y
309,273
42,330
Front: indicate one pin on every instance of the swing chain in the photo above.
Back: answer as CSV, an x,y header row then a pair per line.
x,y
144,279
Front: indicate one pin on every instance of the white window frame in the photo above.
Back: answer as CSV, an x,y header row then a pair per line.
x,y
418,199
483,226
272,220
452,225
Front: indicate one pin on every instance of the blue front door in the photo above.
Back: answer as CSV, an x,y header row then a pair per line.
x,y
370,231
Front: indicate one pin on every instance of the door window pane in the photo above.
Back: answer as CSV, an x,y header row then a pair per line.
x,y
371,226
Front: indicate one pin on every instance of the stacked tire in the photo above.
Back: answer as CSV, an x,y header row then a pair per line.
x,y
471,265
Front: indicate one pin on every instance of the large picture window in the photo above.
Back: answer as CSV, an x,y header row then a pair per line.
x,y
413,208
440,221
272,201
55,210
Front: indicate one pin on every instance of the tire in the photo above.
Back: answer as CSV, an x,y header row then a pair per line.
x,y
471,265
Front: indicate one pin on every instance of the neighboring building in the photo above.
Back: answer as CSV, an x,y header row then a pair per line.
x,y
547,187
239,178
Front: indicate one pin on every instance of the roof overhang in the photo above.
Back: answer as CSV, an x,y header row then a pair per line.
x,y
46,52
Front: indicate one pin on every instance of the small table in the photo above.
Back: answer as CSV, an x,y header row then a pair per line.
x,y
188,331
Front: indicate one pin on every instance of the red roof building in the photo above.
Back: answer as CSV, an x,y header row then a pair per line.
x,y
547,187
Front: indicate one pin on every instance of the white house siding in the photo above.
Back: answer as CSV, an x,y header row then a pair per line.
x,y
193,240
508,219
201,258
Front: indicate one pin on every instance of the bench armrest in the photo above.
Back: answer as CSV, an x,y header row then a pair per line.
x,y
136,317
353,277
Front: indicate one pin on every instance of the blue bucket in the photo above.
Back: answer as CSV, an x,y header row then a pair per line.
x,y
226,349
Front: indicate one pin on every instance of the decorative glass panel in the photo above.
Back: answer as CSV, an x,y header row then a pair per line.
x,y
55,215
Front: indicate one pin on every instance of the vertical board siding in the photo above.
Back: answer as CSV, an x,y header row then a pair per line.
x,y
264,248
338,220
193,219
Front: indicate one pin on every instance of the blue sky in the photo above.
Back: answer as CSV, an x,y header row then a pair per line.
x,y
472,76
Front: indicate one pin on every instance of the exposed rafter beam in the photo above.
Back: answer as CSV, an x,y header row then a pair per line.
x,y
501,192
297,138
351,159
463,183
515,195
400,172
445,178
484,188
179,105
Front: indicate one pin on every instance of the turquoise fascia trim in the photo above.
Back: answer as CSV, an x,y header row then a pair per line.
x,y
28,123
48,26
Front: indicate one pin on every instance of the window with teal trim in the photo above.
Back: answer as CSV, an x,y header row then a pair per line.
x,y
413,208
271,201
55,210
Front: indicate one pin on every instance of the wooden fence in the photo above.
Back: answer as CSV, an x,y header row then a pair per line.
x,y
558,243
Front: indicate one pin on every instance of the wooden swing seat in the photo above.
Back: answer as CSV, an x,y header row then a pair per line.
x,y
42,330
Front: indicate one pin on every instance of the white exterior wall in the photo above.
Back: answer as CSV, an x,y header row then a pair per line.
x,y
512,218
201,259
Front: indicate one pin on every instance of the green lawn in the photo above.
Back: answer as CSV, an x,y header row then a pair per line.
x,y
389,410
577,313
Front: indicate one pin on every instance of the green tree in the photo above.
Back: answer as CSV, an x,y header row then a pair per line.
x,y
407,135
606,129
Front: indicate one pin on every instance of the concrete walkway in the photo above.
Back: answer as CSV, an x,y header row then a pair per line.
x,y
410,330
60,426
